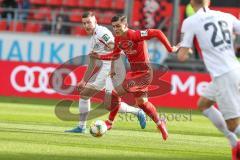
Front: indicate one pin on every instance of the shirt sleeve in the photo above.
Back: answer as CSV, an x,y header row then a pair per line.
x,y
153,33
105,36
111,56
236,25
187,34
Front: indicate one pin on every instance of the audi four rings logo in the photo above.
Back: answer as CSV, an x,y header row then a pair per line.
x,y
43,79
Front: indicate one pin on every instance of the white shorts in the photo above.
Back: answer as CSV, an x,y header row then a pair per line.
x,y
98,80
102,79
225,90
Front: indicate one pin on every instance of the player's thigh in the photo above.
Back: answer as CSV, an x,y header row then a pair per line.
x,y
204,103
233,123
120,90
88,92
98,82
208,97
137,82
228,98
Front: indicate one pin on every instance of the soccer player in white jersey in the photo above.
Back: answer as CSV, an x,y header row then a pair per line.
x,y
102,42
212,31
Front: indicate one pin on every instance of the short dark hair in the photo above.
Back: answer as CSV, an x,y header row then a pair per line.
x,y
122,18
88,14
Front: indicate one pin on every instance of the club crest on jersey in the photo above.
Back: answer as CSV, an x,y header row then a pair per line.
x,y
144,33
125,45
106,37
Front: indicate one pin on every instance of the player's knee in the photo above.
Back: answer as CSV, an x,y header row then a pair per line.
x,y
200,105
232,124
140,101
231,128
84,97
85,94
204,103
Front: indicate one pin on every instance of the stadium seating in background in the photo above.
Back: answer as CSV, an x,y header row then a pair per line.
x,y
106,17
42,13
55,2
104,4
16,26
118,4
87,3
70,3
79,31
75,15
32,27
3,25
38,2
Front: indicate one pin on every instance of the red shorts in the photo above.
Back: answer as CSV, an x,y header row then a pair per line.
x,y
138,82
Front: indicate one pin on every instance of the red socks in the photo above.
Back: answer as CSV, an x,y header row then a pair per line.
x,y
115,105
151,111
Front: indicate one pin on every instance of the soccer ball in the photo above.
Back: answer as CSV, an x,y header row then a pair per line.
x,y
98,128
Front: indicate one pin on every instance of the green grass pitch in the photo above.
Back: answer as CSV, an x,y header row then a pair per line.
x,y
29,130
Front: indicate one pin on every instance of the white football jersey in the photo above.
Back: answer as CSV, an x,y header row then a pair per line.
x,y
100,38
213,32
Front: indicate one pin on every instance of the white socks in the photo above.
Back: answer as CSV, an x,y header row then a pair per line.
x,y
217,119
125,108
84,109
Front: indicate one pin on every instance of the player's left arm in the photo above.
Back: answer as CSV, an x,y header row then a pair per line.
x,y
154,33
187,36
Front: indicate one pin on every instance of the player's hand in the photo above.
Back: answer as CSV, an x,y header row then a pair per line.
x,y
81,85
190,51
94,55
176,48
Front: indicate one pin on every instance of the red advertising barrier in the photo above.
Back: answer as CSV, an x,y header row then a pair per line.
x,y
32,80
186,88
23,79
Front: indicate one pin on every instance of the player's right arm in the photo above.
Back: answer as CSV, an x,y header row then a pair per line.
x,y
153,33
88,73
187,36
110,56
236,25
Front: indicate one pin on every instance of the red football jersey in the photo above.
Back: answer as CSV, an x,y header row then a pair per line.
x,y
135,48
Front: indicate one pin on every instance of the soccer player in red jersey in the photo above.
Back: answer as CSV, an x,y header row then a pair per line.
x,y
133,44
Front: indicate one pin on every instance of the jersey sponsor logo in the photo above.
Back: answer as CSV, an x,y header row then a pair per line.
x,y
190,86
106,37
144,33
